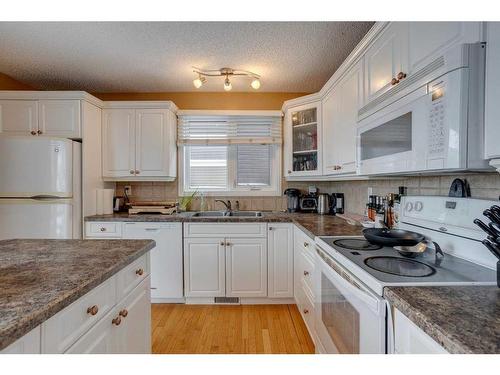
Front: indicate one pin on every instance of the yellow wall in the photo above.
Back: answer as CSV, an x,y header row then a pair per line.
x,y
9,83
211,100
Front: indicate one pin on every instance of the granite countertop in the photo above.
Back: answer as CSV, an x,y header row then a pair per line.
x,y
463,319
38,278
311,223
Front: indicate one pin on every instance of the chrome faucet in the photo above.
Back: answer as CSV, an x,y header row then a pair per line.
x,y
226,204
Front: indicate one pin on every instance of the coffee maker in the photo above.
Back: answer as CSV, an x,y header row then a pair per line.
x,y
337,204
293,199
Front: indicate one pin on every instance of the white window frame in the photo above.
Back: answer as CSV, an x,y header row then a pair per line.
x,y
233,190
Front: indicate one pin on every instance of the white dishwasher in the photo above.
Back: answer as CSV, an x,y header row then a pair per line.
x,y
166,258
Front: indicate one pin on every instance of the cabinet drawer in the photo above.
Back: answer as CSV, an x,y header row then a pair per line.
x,y
63,329
103,229
306,309
306,272
128,278
225,230
303,242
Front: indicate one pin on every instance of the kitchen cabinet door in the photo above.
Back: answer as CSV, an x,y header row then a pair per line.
x,y
28,344
340,114
166,257
204,267
19,117
246,267
280,260
135,313
384,59
492,98
302,147
429,40
154,131
118,143
60,118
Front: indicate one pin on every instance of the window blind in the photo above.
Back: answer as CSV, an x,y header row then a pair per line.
x,y
229,130
207,167
253,165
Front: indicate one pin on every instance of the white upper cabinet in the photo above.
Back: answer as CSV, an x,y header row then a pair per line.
x,y
19,117
302,133
60,118
429,40
385,59
340,112
492,114
153,142
54,117
118,142
139,144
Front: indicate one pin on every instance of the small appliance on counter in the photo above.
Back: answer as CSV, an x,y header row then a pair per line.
x,y
293,196
324,204
119,204
337,205
309,202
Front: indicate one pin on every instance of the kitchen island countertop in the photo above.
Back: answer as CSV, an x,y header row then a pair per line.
x,y
39,278
462,319
310,223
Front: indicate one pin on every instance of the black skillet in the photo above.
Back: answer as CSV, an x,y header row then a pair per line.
x,y
392,237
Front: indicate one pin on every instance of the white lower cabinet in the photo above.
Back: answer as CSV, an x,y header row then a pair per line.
x,y
246,267
280,260
28,344
204,267
410,339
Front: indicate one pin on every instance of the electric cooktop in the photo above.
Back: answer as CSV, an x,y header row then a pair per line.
x,y
389,268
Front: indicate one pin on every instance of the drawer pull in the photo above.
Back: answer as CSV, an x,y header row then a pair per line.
x,y
33,132
102,229
401,75
39,132
306,273
139,272
123,313
93,310
306,244
116,321
306,311
131,171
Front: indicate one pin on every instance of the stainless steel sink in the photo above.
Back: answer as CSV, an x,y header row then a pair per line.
x,y
227,214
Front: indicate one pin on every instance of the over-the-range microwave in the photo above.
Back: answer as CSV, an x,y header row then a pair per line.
x,y
437,127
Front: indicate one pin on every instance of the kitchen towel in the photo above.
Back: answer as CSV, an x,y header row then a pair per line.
x,y
99,204
108,201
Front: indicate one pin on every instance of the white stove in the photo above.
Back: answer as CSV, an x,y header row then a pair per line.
x,y
350,274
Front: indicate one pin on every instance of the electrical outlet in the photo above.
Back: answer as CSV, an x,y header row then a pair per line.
x,y
128,190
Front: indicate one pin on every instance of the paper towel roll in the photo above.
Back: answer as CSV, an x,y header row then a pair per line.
x,y
99,203
108,201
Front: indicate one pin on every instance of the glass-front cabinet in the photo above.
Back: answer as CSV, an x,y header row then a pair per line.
x,y
303,140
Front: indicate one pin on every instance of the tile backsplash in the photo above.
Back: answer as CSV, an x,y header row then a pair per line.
x,y
483,185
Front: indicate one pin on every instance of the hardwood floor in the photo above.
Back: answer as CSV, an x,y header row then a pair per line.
x,y
232,329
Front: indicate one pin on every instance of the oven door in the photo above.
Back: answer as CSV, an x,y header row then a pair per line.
x,y
349,318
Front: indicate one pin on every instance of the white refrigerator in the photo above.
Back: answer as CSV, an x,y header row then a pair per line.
x,y
40,187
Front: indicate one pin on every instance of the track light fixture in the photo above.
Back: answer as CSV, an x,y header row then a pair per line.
x,y
225,72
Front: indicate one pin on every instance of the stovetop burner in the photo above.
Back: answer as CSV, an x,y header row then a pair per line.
x,y
400,266
356,244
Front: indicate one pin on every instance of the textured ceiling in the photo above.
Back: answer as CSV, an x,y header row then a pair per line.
x,y
157,56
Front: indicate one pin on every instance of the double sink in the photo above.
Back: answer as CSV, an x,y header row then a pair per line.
x,y
227,214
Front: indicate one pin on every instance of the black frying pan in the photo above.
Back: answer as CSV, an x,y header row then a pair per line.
x,y
392,237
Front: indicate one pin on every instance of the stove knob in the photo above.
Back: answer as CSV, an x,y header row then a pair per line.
x,y
409,207
419,206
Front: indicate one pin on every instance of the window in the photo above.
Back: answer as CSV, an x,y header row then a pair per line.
x,y
230,155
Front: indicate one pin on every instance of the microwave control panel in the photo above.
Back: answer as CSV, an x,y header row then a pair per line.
x,y
437,136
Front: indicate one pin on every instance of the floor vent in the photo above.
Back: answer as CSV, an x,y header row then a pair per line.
x,y
231,300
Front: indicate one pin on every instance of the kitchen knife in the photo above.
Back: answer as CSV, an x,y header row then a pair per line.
x,y
495,228
494,239
494,249
484,227
495,209
492,215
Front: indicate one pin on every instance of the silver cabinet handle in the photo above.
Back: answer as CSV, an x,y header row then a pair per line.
x,y
222,243
132,171
102,229
306,273
306,244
